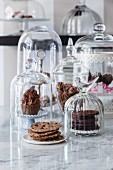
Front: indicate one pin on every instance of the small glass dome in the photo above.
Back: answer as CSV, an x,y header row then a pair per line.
x,y
80,20
21,9
95,52
84,112
65,73
30,96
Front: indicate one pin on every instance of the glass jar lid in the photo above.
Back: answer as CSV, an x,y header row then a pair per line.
x,y
95,43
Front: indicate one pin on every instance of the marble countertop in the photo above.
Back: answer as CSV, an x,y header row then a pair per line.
x,y
81,153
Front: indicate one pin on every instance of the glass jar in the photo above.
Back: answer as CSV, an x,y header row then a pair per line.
x,y
64,75
80,20
84,112
45,46
30,97
95,51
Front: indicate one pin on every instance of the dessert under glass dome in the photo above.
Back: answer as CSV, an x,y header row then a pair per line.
x,y
95,52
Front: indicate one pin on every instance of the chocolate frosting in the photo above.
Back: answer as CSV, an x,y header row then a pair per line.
x,y
30,97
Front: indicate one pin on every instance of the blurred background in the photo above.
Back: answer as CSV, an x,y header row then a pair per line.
x,y
55,11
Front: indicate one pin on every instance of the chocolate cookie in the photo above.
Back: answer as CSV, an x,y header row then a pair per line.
x,y
37,134
47,137
76,127
85,113
45,126
60,137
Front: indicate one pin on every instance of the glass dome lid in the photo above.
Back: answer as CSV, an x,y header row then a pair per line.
x,y
21,9
65,65
45,46
95,43
80,20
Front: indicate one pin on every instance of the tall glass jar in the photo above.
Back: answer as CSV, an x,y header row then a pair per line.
x,y
84,112
45,46
64,74
95,51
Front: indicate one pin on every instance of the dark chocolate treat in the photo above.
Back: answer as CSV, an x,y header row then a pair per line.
x,y
100,78
73,90
89,76
84,121
65,91
93,76
85,113
67,86
96,127
60,86
30,102
26,16
107,78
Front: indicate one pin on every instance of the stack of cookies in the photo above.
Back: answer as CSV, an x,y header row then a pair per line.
x,y
85,120
45,131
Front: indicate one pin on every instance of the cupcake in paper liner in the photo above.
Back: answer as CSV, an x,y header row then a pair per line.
x,y
30,102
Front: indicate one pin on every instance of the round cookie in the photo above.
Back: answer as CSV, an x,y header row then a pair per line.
x,y
36,134
60,137
51,136
45,126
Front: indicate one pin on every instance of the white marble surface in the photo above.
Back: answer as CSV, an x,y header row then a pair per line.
x,y
81,153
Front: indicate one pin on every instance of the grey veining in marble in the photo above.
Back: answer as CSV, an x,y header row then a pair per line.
x,y
79,153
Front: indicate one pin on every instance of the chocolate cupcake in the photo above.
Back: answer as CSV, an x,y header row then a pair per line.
x,y
30,102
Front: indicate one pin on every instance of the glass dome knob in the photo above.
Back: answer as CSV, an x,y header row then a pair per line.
x,y
70,47
99,27
81,2
85,87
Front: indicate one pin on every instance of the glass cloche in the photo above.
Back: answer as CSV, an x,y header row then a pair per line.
x,y
45,46
31,108
30,96
65,73
21,9
84,112
80,20
95,51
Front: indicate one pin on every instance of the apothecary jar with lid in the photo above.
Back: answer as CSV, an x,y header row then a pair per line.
x,y
95,51
65,73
